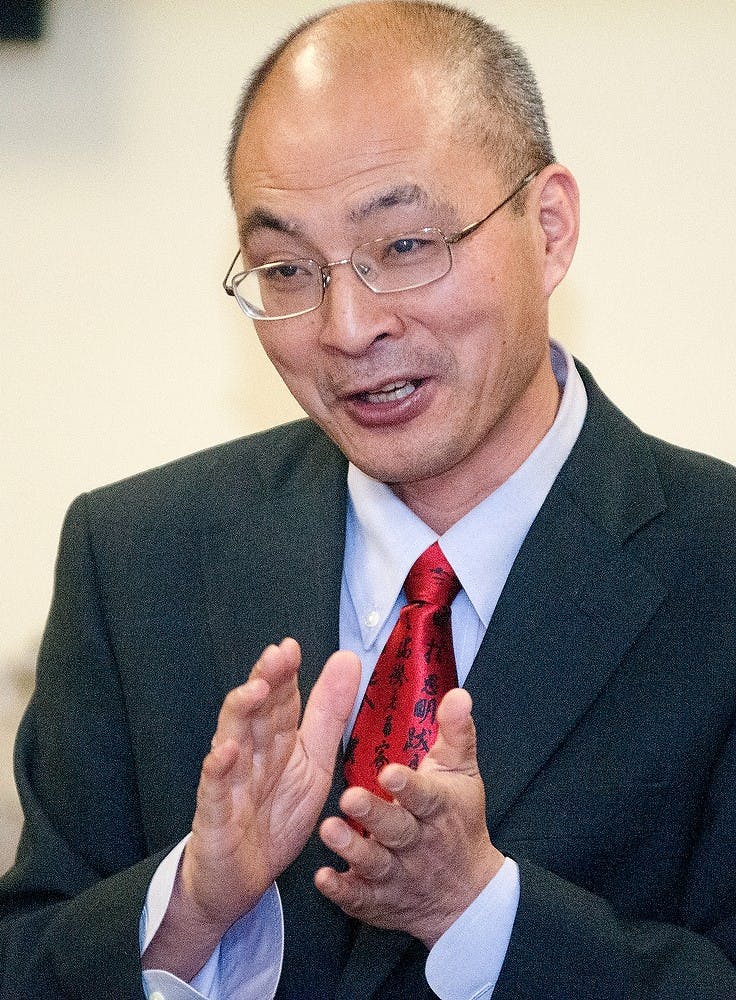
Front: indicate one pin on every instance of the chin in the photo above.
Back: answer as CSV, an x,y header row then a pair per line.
x,y
395,459
393,472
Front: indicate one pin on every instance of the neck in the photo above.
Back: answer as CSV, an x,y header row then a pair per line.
x,y
442,500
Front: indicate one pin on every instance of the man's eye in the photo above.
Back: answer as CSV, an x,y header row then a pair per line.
x,y
405,245
407,251
286,272
283,271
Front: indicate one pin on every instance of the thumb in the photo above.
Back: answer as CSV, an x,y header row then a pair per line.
x,y
455,746
328,708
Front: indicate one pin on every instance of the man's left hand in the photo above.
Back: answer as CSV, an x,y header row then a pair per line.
x,y
428,853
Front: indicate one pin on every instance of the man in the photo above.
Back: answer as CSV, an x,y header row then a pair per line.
x,y
402,225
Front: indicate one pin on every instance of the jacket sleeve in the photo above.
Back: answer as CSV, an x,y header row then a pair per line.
x,y
568,942
70,907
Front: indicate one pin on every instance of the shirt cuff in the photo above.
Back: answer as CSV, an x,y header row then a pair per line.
x,y
246,965
466,961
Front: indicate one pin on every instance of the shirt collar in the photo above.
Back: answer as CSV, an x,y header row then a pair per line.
x,y
384,537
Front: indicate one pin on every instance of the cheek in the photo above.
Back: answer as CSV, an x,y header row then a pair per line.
x,y
458,312
286,348
473,328
296,362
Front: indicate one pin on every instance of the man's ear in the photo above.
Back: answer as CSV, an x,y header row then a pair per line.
x,y
559,217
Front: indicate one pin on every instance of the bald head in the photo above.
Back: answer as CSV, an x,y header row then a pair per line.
x,y
481,79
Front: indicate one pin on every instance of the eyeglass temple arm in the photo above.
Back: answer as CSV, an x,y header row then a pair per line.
x,y
456,237
226,283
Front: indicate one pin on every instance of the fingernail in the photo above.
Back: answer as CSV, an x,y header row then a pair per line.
x,y
394,781
341,836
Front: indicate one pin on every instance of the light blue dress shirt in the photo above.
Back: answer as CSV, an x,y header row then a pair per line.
x,y
383,540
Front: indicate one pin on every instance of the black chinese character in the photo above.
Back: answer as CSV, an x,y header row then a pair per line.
x,y
426,710
438,648
430,685
397,675
417,741
387,726
404,648
440,617
380,760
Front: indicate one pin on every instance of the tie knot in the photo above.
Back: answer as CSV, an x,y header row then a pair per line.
x,y
432,579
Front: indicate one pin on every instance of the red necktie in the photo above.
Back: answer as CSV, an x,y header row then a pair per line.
x,y
397,719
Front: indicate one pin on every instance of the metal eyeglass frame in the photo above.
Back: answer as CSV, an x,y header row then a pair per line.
x,y
325,268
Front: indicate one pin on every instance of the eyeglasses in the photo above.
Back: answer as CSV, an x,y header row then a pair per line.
x,y
282,289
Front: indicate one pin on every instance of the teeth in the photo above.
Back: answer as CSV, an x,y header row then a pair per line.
x,y
391,393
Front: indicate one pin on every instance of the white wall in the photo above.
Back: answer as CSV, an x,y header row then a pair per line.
x,y
119,348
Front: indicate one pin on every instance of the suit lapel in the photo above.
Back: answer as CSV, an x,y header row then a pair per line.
x,y
571,608
574,603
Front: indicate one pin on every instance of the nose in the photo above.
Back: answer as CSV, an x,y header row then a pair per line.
x,y
352,317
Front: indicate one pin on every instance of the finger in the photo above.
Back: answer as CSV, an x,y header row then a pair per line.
x,y
351,894
455,747
389,823
244,713
214,801
368,859
278,666
233,721
420,793
328,708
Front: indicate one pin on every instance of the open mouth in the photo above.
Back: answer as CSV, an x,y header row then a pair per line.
x,y
394,392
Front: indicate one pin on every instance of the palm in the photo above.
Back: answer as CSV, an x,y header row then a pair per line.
x,y
276,817
266,781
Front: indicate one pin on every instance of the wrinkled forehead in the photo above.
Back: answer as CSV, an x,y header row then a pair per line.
x,y
354,187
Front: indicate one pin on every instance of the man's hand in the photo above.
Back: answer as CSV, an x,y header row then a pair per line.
x,y
429,853
260,794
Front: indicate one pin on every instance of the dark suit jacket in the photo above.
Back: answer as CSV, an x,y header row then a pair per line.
x,y
604,691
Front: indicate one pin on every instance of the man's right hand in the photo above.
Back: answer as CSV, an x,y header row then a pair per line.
x,y
261,791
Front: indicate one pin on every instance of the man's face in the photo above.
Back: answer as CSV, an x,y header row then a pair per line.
x,y
428,389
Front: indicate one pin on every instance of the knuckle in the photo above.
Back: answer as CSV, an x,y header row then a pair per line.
x,y
382,866
405,836
430,804
207,772
235,697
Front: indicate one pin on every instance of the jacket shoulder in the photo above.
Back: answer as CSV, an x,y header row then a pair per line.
x,y
234,475
624,477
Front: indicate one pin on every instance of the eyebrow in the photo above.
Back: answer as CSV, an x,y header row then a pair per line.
x,y
401,194
259,218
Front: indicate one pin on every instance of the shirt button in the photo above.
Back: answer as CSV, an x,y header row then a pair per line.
x,y
371,619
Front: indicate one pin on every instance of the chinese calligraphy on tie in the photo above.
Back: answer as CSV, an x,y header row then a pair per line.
x,y
397,719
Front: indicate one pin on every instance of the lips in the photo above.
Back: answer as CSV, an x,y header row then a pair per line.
x,y
389,404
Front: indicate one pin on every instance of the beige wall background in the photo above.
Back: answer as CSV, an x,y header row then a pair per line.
x,y
119,348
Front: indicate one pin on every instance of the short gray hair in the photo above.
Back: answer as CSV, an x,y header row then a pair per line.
x,y
495,86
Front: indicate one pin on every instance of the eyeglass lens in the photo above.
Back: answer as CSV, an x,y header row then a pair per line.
x,y
390,264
